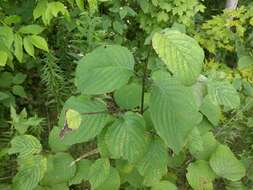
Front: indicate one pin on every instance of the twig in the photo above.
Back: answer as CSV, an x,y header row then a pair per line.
x,y
93,113
85,155
224,126
143,84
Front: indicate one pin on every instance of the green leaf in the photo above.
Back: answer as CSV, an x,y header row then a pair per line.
x,y
181,53
99,172
6,79
173,112
200,176
225,164
105,69
56,7
195,141
125,137
112,182
55,142
13,19
223,93
91,125
30,173
25,145
209,144
154,163
28,46
3,96
133,178
80,4
18,90
93,6
59,169
31,29
164,185
245,61
40,9
102,146
82,172
3,58
6,36
39,42
211,110
19,78
73,118
176,160
128,96
18,45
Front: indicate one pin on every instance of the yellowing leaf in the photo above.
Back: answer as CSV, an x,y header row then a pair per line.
x,y
73,119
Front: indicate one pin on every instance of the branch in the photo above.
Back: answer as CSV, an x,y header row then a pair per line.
x,y
231,4
85,155
143,87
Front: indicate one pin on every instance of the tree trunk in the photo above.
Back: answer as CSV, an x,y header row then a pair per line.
x,y
231,4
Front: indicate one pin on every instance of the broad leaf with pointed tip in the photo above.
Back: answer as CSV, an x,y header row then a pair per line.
x,y
82,171
31,171
91,125
209,145
112,182
200,176
226,165
59,169
211,110
164,185
181,53
55,142
174,112
99,172
105,69
154,163
128,96
125,137
25,145
223,93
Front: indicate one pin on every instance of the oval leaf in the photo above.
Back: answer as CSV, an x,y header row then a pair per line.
x,y
105,69
173,112
223,93
39,42
225,164
31,171
128,96
99,172
91,125
164,185
28,46
25,145
59,169
200,176
154,163
31,29
125,137
181,53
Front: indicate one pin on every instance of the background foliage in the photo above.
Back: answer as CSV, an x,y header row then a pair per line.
x,y
126,94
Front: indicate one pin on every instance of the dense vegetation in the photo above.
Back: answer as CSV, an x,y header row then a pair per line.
x,y
126,94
